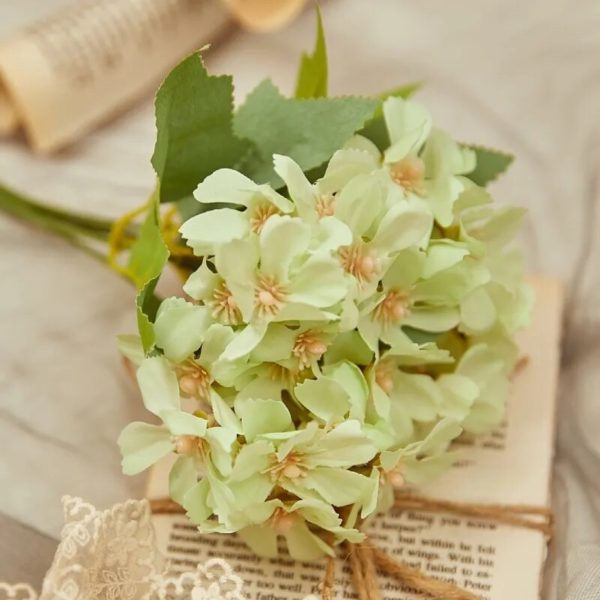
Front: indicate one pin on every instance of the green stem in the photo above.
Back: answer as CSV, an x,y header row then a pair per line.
x,y
76,228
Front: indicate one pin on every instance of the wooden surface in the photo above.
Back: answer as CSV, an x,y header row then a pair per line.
x,y
523,76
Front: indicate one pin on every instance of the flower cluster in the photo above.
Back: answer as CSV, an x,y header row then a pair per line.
x,y
336,338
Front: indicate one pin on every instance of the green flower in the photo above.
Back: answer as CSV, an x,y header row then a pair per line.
x,y
275,278
291,520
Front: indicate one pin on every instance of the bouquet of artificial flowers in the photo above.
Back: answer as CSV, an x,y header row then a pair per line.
x,y
349,306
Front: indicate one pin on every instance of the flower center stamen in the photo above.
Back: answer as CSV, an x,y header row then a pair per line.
x,y
282,521
269,296
359,261
408,173
194,381
261,215
308,347
393,308
325,205
187,445
384,376
224,306
290,467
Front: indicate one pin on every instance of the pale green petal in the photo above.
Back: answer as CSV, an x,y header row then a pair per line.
x,y
339,487
434,318
441,194
216,339
442,255
418,472
345,445
281,240
130,346
231,187
344,165
372,495
296,311
443,156
324,397
226,186
262,540
408,125
301,191
300,439
329,234
221,441
180,327
360,142
142,445
303,544
263,386
348,345
459,393
223,413
370,330
320,282
182,478
402,226
158,385
406,268
318,512
417,394
477,311
351,378
359,204
277,344
263,416
196,504
201,283
208,230
438,439
237,262
182,423
252,459
480,364
245,341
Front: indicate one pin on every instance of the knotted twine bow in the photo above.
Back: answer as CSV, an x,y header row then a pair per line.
x,y
366,560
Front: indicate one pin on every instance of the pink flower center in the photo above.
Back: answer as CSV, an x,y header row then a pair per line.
x,y
260,216
384,376
359,261
408,173
187,445
282,521
269,296
224,306
194,380
290,467
308,347
325,205
393,308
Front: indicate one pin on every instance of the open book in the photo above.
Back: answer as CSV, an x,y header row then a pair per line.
x,y
510,466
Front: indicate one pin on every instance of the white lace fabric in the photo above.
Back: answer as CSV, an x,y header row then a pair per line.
x,y
112,555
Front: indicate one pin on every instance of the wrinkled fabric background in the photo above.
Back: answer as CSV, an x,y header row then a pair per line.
x,y
522,76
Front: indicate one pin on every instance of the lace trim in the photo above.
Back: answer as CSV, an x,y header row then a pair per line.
x,y
112,555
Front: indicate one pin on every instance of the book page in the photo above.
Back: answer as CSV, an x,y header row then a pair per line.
x,y
66,74
495,562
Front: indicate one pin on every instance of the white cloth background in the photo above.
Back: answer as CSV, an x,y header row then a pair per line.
x,y
520,75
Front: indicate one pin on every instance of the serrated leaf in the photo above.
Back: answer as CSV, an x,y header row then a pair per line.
x,y
309,131
311,81
490,164
194,128
375,128
148,256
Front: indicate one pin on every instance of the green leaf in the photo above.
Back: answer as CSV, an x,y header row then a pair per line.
x,y
490,164
311,81
309,131
375,128
148,256
194,129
